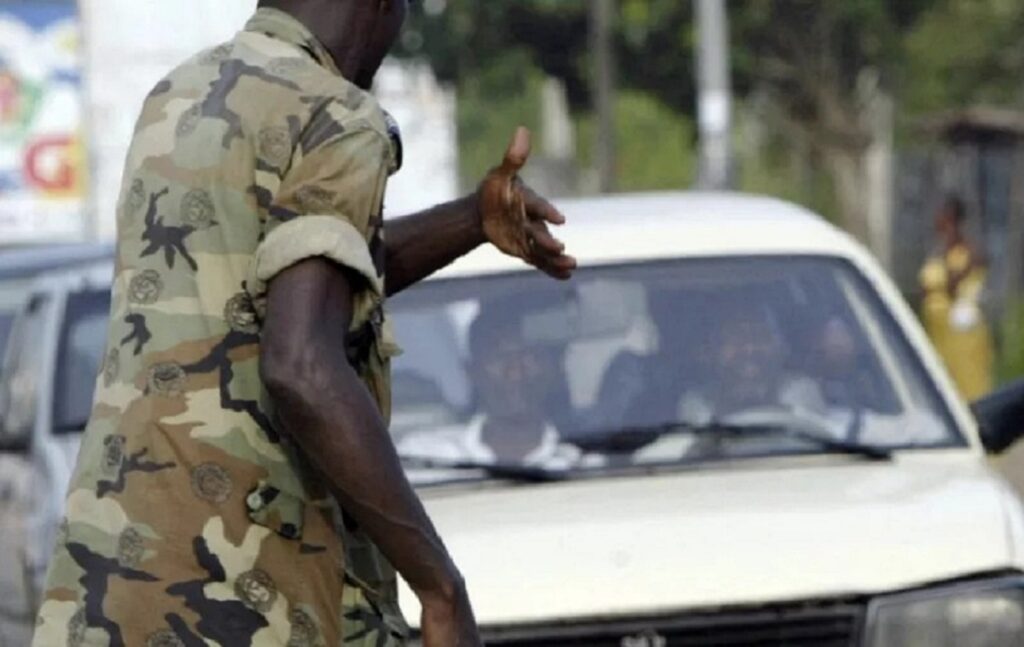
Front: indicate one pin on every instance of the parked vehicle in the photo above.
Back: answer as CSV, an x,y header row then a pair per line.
x,y
727,429
46,389
20,265
771,452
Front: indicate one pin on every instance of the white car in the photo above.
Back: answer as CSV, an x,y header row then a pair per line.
x,y
768,451
728,429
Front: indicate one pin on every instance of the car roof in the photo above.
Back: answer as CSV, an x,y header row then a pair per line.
x,y
29,260
626,228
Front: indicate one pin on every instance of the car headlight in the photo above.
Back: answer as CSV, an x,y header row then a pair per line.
x,y
989,614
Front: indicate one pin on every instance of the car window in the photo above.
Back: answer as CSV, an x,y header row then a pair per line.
x,y
23,367
13,293
496,367
80,355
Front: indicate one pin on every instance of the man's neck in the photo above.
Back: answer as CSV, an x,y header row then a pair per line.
x,y
332,23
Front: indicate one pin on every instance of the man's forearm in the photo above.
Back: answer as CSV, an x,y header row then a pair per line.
x,y
345,436
423,243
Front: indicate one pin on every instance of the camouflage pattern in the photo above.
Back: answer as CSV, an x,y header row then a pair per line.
x,y
190,519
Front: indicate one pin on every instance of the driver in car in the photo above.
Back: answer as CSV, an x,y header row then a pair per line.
x,y
517,385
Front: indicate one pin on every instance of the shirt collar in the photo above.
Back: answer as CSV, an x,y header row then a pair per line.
x,y
282,26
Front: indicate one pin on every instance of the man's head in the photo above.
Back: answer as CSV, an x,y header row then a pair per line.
x,y
951,218
746,352
357,33
513,377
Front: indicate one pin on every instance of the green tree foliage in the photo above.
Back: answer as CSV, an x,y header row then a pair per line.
x,y
491,104
795,47
966,52
815,66
497,52
654,43
655,151
467,37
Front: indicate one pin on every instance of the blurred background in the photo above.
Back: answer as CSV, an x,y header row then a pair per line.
x,y
869,112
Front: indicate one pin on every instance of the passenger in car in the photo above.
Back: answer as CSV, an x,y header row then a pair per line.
x,y
746,369
511,376
862,406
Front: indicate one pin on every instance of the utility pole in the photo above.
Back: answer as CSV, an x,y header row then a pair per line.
x,y
603,90
714,107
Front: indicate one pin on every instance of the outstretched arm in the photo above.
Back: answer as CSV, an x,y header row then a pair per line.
x,y
419,245
503,211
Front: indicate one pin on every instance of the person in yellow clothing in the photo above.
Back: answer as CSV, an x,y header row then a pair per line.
x,y
953,279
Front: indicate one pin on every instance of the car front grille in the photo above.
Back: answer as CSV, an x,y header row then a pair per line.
x,y
822,624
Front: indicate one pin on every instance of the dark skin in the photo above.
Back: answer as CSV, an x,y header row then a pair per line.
x,y
949,226
358,34
503,212
320,399
512,379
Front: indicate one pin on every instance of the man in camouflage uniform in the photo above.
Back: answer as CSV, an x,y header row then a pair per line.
x,y
236,485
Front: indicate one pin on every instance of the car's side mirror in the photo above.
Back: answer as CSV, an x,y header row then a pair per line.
x,y
1000,417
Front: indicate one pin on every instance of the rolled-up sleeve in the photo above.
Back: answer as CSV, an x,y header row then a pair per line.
x,y
324,207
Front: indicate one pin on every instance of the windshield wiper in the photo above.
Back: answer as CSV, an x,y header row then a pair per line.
x,y
508,471
631,439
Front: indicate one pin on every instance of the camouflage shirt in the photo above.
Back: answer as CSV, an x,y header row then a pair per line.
x,y
190,519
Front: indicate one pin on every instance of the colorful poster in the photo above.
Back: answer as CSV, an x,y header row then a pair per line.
x,y
42,160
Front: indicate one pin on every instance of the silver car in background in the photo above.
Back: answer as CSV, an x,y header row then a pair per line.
x,y
46,387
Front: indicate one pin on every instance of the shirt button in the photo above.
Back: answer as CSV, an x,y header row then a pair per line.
x,y
255,502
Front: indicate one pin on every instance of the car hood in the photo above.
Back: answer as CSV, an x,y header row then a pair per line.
x,y
740,534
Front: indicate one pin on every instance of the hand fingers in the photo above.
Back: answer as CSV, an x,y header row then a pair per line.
x,y
553,262
537,208
547,253
518,152
565,263
560,267
542,239
517,201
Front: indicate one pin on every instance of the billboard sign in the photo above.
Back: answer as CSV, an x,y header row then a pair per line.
x,y
42,161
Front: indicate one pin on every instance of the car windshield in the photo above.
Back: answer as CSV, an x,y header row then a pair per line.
x,y
518,369
82,341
